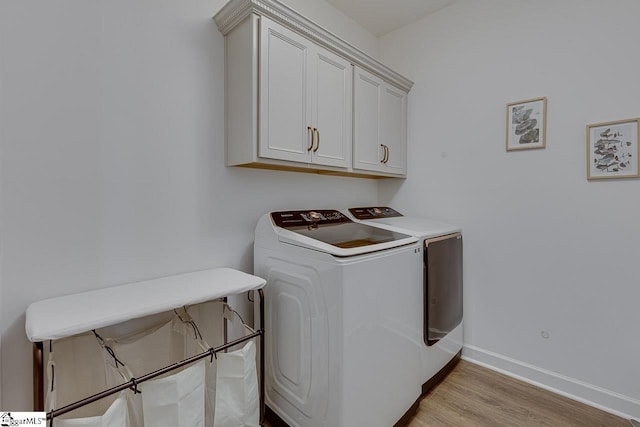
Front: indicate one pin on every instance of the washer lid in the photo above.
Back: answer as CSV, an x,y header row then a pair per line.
x,y
332,232
390,219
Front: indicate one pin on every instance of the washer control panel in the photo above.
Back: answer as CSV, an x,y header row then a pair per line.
x,y
374,212
289,219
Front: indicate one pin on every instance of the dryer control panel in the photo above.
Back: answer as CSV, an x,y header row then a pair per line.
x,y
374,212
289,219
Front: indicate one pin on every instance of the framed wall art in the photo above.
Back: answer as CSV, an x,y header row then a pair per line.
x,y
612,149
526,124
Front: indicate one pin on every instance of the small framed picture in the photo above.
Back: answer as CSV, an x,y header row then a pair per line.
x,y
612,149
526,124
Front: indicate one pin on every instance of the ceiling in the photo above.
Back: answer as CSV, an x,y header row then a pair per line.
x,y
382,16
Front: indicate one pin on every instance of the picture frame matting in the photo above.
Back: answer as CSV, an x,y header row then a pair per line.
x,y
612,149
527,124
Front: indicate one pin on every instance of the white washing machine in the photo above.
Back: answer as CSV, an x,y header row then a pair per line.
x,y
342,319
440,285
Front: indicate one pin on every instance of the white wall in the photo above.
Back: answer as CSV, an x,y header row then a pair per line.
x,y
544,248
338,23
1,222
112,157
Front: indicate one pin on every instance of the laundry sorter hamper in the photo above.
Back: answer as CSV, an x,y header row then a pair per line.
x,y
90,314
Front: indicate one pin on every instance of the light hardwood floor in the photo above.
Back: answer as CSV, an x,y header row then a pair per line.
x,y
476,397
473,396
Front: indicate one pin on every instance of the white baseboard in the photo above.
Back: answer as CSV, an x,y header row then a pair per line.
x,y
606,400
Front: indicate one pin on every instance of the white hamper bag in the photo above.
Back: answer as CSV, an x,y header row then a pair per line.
x,y
176,400
237,389
115,416
196,344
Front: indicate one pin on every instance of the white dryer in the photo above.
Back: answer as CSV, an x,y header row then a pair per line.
x,y
342,319
440,285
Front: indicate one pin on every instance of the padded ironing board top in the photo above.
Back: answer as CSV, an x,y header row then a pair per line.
x,y
69,315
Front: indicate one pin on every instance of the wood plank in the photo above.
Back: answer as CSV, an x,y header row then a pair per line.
x,y
475,396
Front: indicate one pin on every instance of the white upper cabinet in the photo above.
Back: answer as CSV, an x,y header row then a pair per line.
x,y
294,102
285,93
332,109
393,128
305,100
368,152
379,122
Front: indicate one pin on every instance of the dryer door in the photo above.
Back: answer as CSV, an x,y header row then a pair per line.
x,y
443,286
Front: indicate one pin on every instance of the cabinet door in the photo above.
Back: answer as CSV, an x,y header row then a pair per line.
x,y
380,123
285,94
332,89
367,149
393,125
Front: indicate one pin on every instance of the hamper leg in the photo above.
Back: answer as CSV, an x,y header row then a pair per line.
x,y
38,377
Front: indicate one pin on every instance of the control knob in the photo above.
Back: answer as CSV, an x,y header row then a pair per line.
x,y
314,216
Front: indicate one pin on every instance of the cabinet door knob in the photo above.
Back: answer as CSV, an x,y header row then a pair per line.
x,y
317,132
386,160
310,129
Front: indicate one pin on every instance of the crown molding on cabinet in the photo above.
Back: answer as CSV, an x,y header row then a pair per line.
x,y
235,11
